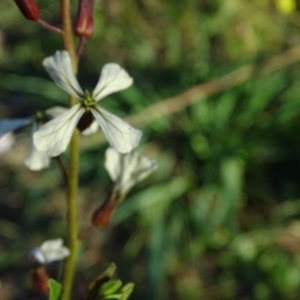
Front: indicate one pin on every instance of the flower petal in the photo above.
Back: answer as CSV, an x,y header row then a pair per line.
x,y
120,135
113,163
56,111
127,169
38,255
144,166
51,245
6,142
50,251
54,136
113,78
7,125
59,67
36,160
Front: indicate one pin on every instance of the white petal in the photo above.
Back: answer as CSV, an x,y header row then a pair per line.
x,y
120,135
7,125
113,78
51,245
38,255
36,160
54,136
50,251
135,168
56,111
93,128
6,142
60,69
113,163
143,166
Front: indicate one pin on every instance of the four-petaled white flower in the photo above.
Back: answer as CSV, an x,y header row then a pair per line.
x,y
36,160
127,169
49,251
54,136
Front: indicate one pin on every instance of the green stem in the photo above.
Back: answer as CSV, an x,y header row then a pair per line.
x,y
72,226
68,36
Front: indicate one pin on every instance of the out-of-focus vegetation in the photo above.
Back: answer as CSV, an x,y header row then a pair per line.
x,y
219,218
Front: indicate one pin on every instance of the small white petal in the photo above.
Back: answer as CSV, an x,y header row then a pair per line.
x,y
60,69
36,160
38,255
113,78
54,136
7,125
51,245
142,166
6,142
93,128
56,111
120,135
128,169
113,163
50,251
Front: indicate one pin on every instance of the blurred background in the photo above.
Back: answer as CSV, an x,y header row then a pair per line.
x,y
217,96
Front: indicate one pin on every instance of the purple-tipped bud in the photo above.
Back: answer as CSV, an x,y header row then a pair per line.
x,y
29,9
84,26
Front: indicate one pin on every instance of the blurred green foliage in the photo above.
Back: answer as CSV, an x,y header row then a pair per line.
x,y
219,218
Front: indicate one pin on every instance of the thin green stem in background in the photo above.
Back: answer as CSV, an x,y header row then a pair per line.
x,y
63,168
72,226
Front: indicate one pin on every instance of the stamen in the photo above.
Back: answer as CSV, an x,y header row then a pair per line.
x,y
88,101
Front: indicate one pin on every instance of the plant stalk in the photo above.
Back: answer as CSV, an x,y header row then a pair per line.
x,y
72,225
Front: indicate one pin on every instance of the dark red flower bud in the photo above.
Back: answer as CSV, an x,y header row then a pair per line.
x,y
39,278
102,215
29,9
84,25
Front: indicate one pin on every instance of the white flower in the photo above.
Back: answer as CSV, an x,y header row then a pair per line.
x,y
127,169
49,251
36,160
54,136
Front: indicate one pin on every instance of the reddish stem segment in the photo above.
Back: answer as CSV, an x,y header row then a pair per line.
x,y
49,26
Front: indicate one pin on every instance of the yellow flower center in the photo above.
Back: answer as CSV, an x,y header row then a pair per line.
x,y
88,101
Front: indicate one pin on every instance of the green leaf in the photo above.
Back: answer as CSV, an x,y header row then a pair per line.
x,y
113,297
110,287
55,289
126,291
106,275
95,286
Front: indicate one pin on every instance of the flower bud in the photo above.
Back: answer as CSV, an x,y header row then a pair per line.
x,y
29,9
84,26
102,215
39,278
